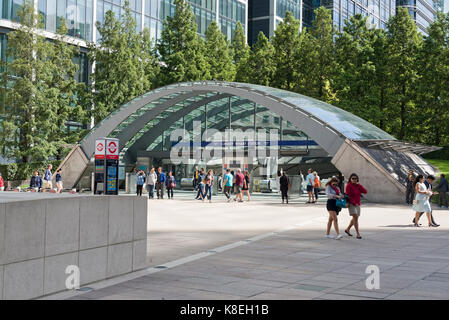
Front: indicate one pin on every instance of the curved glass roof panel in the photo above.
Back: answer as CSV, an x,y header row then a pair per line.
x,y
344,122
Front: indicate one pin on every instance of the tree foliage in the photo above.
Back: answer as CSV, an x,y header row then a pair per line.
x,y
181,49
37,91
123,68
218,54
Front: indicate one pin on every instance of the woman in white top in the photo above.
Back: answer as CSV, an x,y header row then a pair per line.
x,y
152,177
421,203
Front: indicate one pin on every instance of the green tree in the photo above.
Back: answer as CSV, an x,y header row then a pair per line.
x,y
65,92
218,54
403,46
354,80
286,43
150,63
241,52
119,74
181,49
260,64
381,81
323,33
30,117
433,85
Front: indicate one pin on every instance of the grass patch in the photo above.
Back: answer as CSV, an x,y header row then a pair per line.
x,y
441,165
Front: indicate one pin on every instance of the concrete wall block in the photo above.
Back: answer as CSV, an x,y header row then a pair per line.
x,y
54,271
2,269
93,264
120,219
25,230
62,226
120,259
24,280
93,222
140,218
139,254
2,234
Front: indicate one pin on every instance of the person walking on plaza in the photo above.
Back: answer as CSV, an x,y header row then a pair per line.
x,y
284,186
301,181
2,183
238,185
421,203
410,190
316,185
152,178
201,186
209,182
443,189
58,181
170,183
140,181
333,193
246,181
36,182
354,191
309,179
195,178
228,179
48,177
160,183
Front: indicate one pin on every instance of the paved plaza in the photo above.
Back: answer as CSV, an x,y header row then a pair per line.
x,y
266,250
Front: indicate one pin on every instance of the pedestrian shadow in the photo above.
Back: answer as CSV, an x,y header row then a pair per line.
x,y
397,226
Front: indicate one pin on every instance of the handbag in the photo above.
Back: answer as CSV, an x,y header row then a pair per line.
x,y
341,203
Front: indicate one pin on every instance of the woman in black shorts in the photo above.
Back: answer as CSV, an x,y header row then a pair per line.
x,y
245,188
333,193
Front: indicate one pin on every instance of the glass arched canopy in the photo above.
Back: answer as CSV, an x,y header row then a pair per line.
x,y
145,122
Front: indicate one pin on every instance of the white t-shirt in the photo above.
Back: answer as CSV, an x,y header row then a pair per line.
x,y
310,177
152,177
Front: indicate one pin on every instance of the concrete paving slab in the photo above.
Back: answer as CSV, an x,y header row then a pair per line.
x,y
288,257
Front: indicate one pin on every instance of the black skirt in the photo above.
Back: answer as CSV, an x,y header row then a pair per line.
x,y
331,205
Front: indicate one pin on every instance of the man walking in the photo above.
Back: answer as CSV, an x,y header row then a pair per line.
x,y
310,181
442,188
228,178
140,181
160,183
410,189
239,177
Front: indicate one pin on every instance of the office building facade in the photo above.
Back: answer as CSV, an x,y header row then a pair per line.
x,y
265,15
423,12
377,11
81,15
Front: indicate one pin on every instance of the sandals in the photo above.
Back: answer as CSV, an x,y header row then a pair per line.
x,y
359,237
347,232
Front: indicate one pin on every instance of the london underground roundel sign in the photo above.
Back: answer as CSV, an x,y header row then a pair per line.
x,y
100,148
112,149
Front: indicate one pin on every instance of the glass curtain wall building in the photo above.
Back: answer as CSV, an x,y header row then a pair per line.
x,y
81,15
264,15
423,12
377,11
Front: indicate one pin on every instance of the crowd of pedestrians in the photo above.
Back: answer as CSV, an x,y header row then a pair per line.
x,y
155,180
39,183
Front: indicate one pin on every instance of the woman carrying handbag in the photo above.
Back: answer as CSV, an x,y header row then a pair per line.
x,y
333,193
